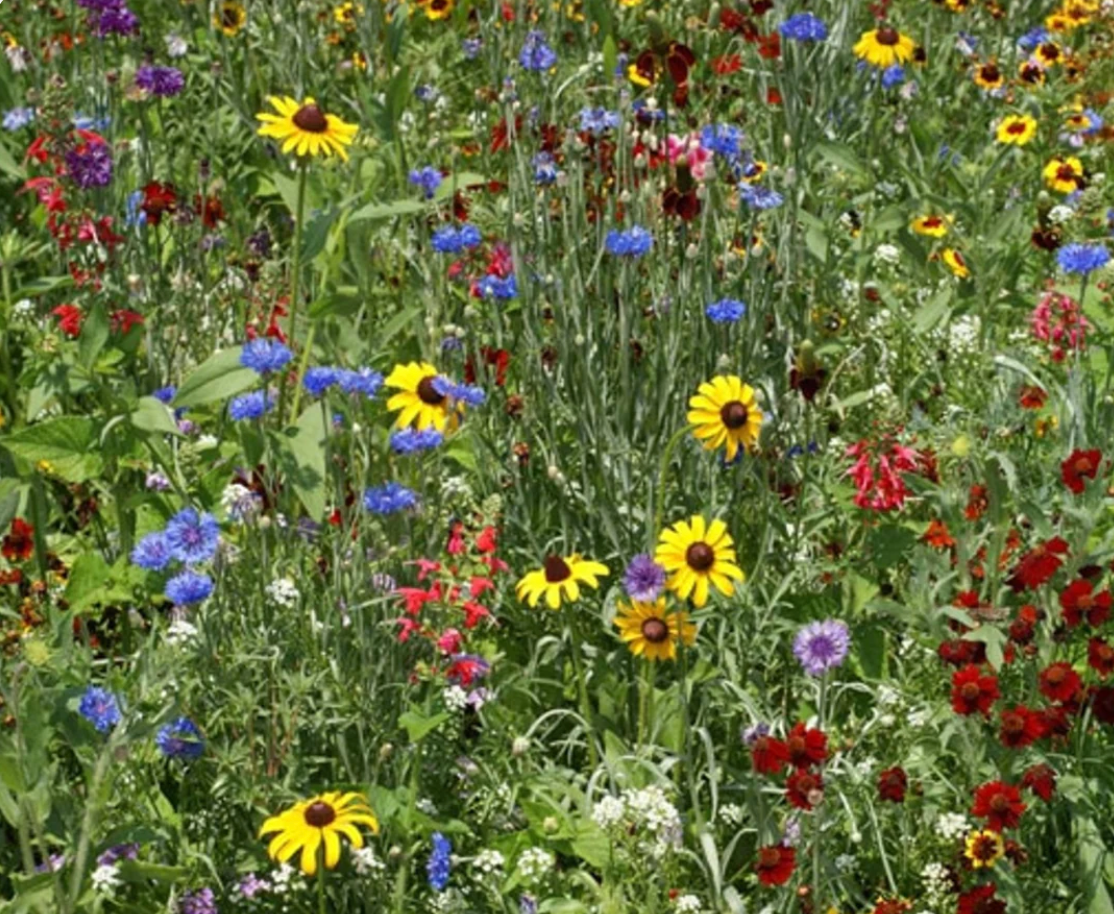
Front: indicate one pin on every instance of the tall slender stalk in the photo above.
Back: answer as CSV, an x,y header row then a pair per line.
x,y
295,275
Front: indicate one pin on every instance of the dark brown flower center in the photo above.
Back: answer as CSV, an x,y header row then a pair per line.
x,y
733,414
428,393
230,17
700,556
1016,127
557,569
970,691
984,848
320,814
311,119
1065,173
990,73
887,36
655,631
999,803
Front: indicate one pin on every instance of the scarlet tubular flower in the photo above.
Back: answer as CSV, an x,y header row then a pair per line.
x,y
1021,727
769,755
1038,565
1000,804
806,747
775,864
937,535
1058,321
877,474
892,784
1040,779
804,789
69,319
1059,682
1079,602
1079,467
973,692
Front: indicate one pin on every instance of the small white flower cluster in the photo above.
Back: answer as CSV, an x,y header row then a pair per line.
x,y
239,503
937,883
732,814
647,812
963,334
887,255
283,592
365,861
106,879
282,881
455,698
488,862
427,806
534,864
952,825
688,904
181,632
845,863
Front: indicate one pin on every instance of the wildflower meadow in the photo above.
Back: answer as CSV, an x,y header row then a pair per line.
x,y
569,457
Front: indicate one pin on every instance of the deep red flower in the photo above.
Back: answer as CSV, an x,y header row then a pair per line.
x,y
1102,704
498,359
1024,627
806,747
769,755
1080,466
773,96
1040,779
1021,727
981,900
19,544
159,198
802,788
937,535
210,209
729,63
1079,600
1100,657
1057,719
487,539
999,803
775,864
972,691
1037,566
69,319
769,46
978,501
123,320
892,784
1032,397
958,652
1059,682
474,612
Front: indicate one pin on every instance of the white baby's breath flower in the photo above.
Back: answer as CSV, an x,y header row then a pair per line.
x,y
283,592
534,863
106,879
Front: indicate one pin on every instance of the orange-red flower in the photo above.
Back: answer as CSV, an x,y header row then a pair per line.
x,y
769,755
804,789
1021,727
1080,601
775,864
892,784
972,691
1080,466
19,544
806,747
999,803
1059,682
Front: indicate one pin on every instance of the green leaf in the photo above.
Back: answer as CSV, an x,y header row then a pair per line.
x,y
154,416
610,54
401,320
1094,858
930,314
317,234
10,166
94,334
137,871
42,286
68,444
217,378
302,458
459,181
995,641
889,544
375,211
842,157
418,727
89,576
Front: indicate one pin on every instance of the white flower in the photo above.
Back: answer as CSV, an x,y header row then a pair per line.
x,y
23,308
1060,214
426,805
732,814
845,863
106,879
283,879
534,863
239,502
887,254
175,45
688,904
952,825
455,698
608,811
283,592
365,861
488,861
180,632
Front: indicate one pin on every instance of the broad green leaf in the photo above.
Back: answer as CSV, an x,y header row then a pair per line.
x,y
1094,858
10,166
89,576
317,233
930,314
842,157
303,459
418,726
457,182
94,334
217,378
154,416
67,444
374,211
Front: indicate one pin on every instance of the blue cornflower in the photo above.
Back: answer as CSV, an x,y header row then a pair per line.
x,y
250,406
722,139
545,168
598,120
495,287
133,213
85,122
164,82
319,379
634,242
760,197
1032,38
804,27
180,739
165,394
536,54
471,47
470,236
452,240
725,311
1082,258
192,537
644,112
264,356
440,862
426,94
364,381
153,552
100,708
893,76
427,178
188,587
389,498
18,118
411,440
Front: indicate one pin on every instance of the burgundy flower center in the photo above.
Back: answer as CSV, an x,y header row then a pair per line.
x,y
734,414
655,631
557,569
427,393
970,691
700,556
320,814
990,73
1085,601
1016,127
999,803
1065,173
1055,676
311,119
1083,466
984,848
887,36
1011,723
769,857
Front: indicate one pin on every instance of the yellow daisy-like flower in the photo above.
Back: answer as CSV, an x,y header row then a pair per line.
x,y
1016,129
696,554
630,4
725,413
884,47
932,226
1064,174
984,848
1031,73
438,9
317,824
420,402
347,13
230,18
559,579
650,631
636,77
305,129
1048,54
988,76
955,262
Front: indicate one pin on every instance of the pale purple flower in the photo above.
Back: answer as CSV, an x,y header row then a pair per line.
x,y
822,646
162,81
644,579
90,165
752,733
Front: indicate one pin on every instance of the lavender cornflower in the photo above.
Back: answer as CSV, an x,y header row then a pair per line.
x,y
755,732
760,198
100,708
427,178
471,48
725,311
364,381
440,862
188,587
251,885
412,440
119,20
644,579
598,120
804,27
198,902
17,118
536,55
117,853
90,165
545,168
822,646
893,76
165,82
192,537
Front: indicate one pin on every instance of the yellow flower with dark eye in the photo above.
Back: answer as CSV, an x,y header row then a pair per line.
x,y
420,402
884,47
955,262
347,13
1064,174
932,226
305,129
1048,54
559,580
754,170
984,848
988,76
724,413
1016,129
316,825
650,631
697,554
438,9
230,18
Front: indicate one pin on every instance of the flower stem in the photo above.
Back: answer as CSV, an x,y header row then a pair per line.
x,y
295,276
321,879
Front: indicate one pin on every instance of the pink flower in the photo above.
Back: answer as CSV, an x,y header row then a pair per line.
x,y
1058,321
450,641
695,155
878,474
473,613
407,627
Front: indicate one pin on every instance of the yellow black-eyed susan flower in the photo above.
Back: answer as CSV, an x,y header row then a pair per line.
x,y
931,225
559,580
697,554
884,47
984,848
652,632
230,18
419,401
724,413
1016,129
317,824
305,129
954,261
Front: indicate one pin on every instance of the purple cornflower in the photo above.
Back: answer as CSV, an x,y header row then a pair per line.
x,y
822,646
90,165
100,708
180,739
193,537
804,27
644,579
119,20
118,852
153,552
536,54
440,862
199,902
164,82
427,178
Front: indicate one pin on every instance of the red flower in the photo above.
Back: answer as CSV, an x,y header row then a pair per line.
x,y
1079,600
210,209
69,319
999,803
769,755
803,789
972,692
977,503
1100,657
1024,627
730,63
1059,682
1037,566
19,544
158,198
769,46
416,598
498,359
1032,397
981,900
1079,466
1040,779
1021,727
775,864
123,320
958,652
892,784
773,96
937,535
806,747
487,540
473,612
1102,704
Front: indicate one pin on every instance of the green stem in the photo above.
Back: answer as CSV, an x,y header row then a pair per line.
x,y
582,688
321,879
295,276
663,468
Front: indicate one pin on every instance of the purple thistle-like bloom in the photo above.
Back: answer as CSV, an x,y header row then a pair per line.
x,y
251,885
822,646
118,852
162,81
644,579
119,20
199,902
90,165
